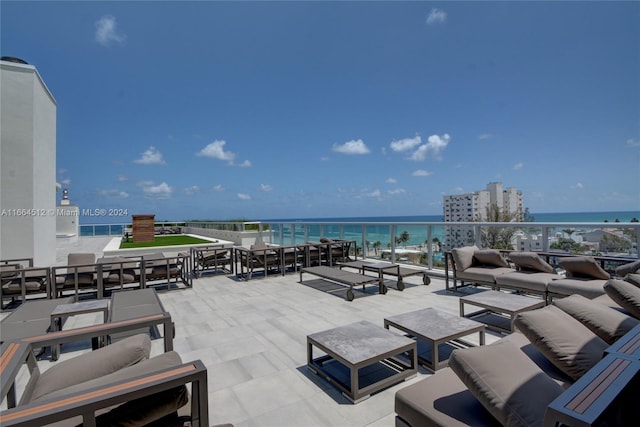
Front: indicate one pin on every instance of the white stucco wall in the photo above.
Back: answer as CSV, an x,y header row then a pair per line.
x,y
27,165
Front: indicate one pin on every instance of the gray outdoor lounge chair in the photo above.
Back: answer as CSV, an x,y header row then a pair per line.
x,y
115,385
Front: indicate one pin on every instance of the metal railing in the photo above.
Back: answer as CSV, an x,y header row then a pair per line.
x,y
424,243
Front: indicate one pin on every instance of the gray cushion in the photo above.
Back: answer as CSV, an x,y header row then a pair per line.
x,y
625,294
566,342
463,257
607,323
141,411
487,274
527,280
441,400
590,288
633,278
489,257
632,267
95,364
530,261
507,383
583,266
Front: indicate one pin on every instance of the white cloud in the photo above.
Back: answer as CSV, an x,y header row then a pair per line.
x,y
421,172
351,147
578,186
631,142
192,190
160,191
406,144
112,193
242,196
215,150
245,164
397,191
391,181
107,31
218,188
122,178
66,181
518,166
151,157
374,193
436,16
484,136
265,187
434,147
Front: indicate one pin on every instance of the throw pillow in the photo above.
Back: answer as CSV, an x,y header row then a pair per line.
x,y
632,267
489,257
606,322
530,261
463,257
583,266
507,383
566,342
625,294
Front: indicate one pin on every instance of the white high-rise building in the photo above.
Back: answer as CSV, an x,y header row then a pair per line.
x,y
28,166
473,206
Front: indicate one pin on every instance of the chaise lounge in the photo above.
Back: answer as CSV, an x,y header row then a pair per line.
x,y
131,389
517,380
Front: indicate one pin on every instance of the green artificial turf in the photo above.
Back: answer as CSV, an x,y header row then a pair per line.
x,y
163,241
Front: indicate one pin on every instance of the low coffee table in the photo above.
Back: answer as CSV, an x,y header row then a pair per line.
x,y
498,303
361,358
434,328
74,309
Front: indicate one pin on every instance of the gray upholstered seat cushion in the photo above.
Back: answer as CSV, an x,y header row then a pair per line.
x,y
486,274
507,383
626,294
530,261
490,257
589,288
441,400
607,323
583,266
463,257
565,341
138,412
526,280
92,365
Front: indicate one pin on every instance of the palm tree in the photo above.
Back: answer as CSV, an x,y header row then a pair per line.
x,y
376,246
404,238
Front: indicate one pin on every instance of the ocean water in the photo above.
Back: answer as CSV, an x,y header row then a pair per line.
x,y
417,233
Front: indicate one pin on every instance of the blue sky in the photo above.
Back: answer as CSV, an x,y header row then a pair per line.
x,y
263,110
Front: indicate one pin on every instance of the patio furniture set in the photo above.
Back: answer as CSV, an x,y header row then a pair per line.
x,y
114,384
84,274
574,362
529,272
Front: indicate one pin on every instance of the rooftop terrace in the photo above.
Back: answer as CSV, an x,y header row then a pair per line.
x,y
251,335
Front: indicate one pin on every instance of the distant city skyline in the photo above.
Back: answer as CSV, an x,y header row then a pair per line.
x,y
225,110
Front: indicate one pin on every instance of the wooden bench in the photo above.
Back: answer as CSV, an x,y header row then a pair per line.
x,y
344,278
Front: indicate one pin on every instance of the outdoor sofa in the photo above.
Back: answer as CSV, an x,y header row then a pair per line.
x,y
583,275
519,380
474,265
